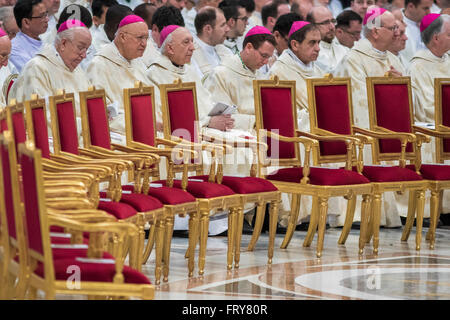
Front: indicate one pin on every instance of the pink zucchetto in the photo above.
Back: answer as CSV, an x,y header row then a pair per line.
x,y
2,33
69,24
257,30
166,31
427,20
372,14
297,25
130,19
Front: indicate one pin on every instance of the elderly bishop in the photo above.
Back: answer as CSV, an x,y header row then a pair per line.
x,y
117,66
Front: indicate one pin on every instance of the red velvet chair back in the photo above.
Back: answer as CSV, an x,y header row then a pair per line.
x,y
330,110
142,119
31,202
37,125
278,116
391,108
445,105
67,127
8,184
95,119
181,106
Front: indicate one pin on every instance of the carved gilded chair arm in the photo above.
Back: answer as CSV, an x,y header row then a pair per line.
x,y
122,229
86,215
97,155
303,140
102,171
431,132
130,150
349,142
402,136
245,143
55,167
65,203
109,166
64,192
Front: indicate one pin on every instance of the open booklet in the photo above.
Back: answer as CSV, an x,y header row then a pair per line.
x,y
222,108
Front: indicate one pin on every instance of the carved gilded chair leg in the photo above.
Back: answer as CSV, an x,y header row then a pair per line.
x,y
273,216
186,254
293,217
419,218
193,236
313,222
412,205
167,245
232,224
32,293
238,236
159,243
150,244
434,200
260,211
204,226
365,212
323,208
375,224
351,204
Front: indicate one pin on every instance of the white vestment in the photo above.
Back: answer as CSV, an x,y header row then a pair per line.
x,y
111,71
414,42
151,52
330,55
44,75
205,57
424,68
232,83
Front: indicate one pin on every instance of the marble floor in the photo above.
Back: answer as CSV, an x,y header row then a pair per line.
x,y
398,272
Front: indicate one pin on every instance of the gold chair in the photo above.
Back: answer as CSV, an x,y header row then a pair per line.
x,y
107,277
391,120
438,175
275,111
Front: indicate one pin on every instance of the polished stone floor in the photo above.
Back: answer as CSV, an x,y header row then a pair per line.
x,y
398,272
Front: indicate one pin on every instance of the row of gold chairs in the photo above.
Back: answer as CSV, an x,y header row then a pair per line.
x,y
100,160
333,138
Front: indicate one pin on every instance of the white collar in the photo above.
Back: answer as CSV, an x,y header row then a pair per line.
x,y
308,66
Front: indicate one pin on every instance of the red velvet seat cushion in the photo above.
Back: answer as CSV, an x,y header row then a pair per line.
x,y
243,185
389,174
319,176
433,171
203,189
140,202
55,239
65,253
170,196
56,229
99,272
117,209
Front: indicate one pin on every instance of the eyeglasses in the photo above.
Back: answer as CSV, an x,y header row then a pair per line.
x,y
324,23
356,34
393,28
244,18
44,15
139,38
265,56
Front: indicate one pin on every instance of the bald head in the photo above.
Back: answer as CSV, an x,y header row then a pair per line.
x,y
382,31
323,18
131,40
5,50
72,45
179,46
